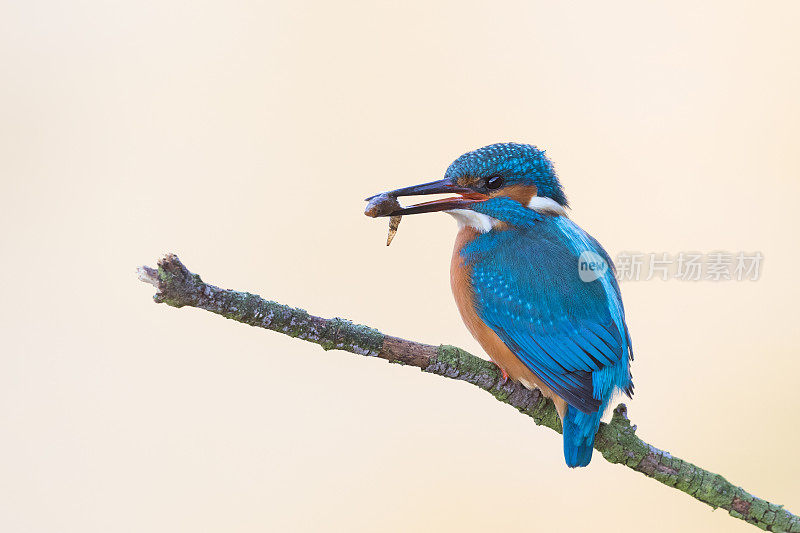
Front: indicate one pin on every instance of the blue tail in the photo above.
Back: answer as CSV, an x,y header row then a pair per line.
x,y
579,431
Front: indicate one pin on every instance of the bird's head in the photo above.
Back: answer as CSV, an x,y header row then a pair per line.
x,y
507,171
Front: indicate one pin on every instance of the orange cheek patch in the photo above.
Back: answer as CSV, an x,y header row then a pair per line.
x,y
467,181
520,193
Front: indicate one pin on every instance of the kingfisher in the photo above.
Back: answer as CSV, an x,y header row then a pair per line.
x,y
536,291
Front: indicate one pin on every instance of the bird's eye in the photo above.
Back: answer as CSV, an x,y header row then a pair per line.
x,y
495,182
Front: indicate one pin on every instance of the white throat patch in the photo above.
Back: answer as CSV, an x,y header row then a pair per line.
x,y
540,204
468,217
485,223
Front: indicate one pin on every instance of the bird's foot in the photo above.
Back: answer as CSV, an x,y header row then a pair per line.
x,y
504,376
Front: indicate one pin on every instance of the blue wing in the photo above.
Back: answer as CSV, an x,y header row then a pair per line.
x,y
570,333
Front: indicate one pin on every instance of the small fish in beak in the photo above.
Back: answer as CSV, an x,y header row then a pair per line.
x,y
382,205
385,204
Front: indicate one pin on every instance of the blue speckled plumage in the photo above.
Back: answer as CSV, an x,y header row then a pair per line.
x,y
516,279
513,161
570,333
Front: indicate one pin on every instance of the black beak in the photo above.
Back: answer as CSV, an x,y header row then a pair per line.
x,y
467,196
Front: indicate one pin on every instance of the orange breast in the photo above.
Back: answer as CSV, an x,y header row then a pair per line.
x,y
460,282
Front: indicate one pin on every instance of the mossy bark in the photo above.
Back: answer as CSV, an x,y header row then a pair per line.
x,y
616,441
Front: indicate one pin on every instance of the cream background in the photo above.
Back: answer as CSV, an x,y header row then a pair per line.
x,y
244,135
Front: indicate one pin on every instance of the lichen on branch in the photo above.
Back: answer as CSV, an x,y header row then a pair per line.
x,y
616,441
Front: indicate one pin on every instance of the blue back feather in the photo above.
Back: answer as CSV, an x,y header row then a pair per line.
x,y
570,333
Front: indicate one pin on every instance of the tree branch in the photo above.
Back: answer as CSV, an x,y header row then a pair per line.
x,y
617,440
